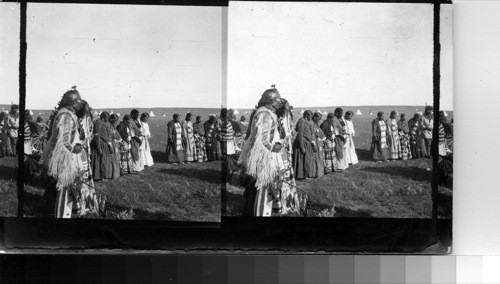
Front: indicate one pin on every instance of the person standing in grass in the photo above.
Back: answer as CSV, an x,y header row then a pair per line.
x,y
199,138
102,149
330,164
226,133
404,135
13,126
340,130
320,139
261,156
136,142
148,158
211,138
416,142
352,158
187,129
379,146
115,139
61,158
125,157
393,135
303,149
175,141
427,125
3,135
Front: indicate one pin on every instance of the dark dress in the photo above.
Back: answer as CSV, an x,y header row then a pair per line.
x,y
101,151
212,143
304,164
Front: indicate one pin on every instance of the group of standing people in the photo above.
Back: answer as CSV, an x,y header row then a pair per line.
x,y
211,140
394,139
321,148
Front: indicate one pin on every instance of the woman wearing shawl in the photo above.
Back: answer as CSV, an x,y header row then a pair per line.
x,y
226,133
102,149
136,142
393,135
175,138
379,138
442,135
304,165
125,156
330,164
404,135
416,143
352,157
211,138
339,127
199,138
320,139
27,133
187,129
148,159
115,138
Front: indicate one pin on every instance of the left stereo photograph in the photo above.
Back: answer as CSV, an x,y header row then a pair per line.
x,y
122,111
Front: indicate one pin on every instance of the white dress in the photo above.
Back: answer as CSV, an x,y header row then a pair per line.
x,y
352,158
148,159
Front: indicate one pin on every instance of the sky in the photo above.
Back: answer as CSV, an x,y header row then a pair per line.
x,y
124,55
328,54
9,52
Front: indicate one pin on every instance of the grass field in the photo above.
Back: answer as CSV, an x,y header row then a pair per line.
x,y
189,192
395,189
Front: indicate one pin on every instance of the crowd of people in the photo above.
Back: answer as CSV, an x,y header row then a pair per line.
x,y
277,151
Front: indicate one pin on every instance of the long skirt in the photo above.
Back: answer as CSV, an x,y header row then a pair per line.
x,y
115,173
190,149
320,167
340,154
304,165
174,155
137,156
329,158
201,155
263,202
416,147
88,198
394,147
3,145
147,151
213,151
27,147
125,159
379,152
442,148
352,157
405,146
102,164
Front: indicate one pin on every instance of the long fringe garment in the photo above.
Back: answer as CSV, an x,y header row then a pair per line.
x,y
61,164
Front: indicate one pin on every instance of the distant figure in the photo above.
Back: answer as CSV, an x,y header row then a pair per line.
x,y
102,149
339,127
199,138
226,133
393,135
320,138
13,126
190,145
404,136
330,163
125,156
352,157
136,142
304,165
211,138
379,138
115,139
61,157
175,138
442,150
416,140
3,135
148,162
27,133
427,124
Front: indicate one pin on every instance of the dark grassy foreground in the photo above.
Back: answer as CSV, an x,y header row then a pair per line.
x,y
8,186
